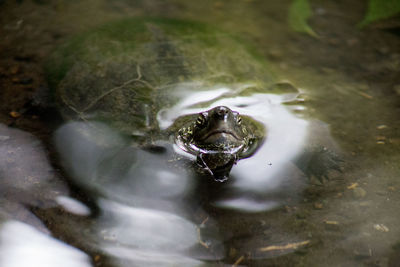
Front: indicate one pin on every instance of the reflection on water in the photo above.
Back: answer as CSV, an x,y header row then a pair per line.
x,y
149,198
27,178
146,237
22,245
27,182
73,206
271,166
26,174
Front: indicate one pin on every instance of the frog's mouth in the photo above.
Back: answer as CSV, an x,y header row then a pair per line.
x,y
220,135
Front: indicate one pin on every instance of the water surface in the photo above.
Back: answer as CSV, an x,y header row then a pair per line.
x,y
128,206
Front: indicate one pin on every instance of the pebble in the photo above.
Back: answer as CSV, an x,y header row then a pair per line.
x,y
359,192
318,205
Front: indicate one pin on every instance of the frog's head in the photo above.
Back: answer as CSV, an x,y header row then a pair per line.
x,y
219,137
219,129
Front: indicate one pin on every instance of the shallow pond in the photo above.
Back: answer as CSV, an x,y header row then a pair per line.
x,y
81,193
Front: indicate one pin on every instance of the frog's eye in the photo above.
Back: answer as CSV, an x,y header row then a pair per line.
x,y
239,120
200,120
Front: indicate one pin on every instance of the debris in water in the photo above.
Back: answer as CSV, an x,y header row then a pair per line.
x,y
381,227
285,247
204,222
97,258
15,114
352,186
331,222
204,244
366,95
381,138
381,127
238,261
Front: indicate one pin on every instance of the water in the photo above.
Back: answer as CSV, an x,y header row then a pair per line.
x,y
130,206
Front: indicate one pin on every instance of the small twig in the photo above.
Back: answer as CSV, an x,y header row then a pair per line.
x,y
204,221
201,241
238,261
288,246
365,95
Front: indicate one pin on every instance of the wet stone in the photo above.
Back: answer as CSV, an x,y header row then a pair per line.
x,y
359,192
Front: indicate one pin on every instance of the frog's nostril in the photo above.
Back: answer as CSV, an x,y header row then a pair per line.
x,y
222,111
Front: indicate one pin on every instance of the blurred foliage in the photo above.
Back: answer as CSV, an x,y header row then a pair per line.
x,y
300,11
380,9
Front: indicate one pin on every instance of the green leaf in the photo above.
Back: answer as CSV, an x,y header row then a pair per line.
x,y
380,9
299,12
